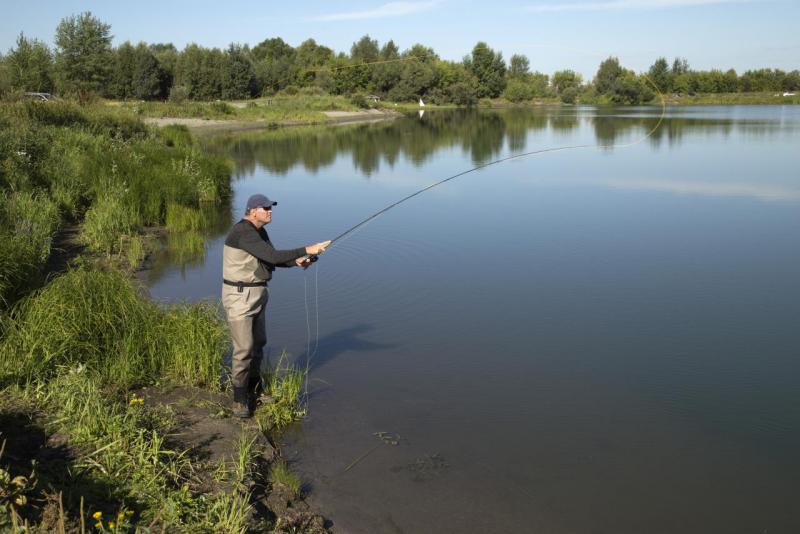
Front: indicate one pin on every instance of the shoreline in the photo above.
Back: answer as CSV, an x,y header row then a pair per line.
x,y
218,126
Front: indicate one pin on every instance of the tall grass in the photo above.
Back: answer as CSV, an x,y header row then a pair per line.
x,y
106,165
97,318
28,222
283,386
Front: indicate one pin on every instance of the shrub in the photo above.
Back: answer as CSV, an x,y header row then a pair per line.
x,y
518,91
569,95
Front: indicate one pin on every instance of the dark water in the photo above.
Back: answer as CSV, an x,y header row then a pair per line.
x,y
597,340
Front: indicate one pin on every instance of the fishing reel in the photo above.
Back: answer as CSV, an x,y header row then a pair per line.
x,y
311,259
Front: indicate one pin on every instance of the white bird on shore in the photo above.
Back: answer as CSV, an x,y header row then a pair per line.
x,y
421,103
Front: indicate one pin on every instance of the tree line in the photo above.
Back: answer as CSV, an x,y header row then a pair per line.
x,y
84,64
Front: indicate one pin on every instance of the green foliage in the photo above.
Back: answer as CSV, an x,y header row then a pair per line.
x,y
518,91
569,95
98,319
631,89
61,159
283,387
564,79
489,68
30,66
519,68
661,75
365,50
83,55
607,75
28,222
108,220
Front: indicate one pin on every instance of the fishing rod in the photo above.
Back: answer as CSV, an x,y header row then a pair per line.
x,y
315,257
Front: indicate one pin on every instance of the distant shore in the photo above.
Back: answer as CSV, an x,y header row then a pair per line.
x,y
265,113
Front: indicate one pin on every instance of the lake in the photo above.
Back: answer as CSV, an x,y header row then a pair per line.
x,y
596,340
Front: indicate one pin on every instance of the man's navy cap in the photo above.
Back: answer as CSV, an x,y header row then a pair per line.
x,y
259,201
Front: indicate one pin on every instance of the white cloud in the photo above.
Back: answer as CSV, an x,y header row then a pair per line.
x,y
392,9
620,5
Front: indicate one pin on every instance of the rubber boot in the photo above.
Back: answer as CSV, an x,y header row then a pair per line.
x,y
240,404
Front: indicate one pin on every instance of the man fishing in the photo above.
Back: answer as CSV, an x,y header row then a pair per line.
x,y
248,260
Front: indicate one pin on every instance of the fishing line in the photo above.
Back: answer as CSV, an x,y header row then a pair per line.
x,y
341,237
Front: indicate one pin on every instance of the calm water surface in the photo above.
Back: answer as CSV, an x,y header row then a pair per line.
x,y
596,340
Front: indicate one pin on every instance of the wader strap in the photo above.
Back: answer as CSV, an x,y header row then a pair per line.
x,y
241,285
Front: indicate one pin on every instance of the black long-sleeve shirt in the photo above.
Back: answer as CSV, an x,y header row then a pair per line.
x,y
254,241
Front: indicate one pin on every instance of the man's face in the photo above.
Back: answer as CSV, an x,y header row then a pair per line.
x,y
263,215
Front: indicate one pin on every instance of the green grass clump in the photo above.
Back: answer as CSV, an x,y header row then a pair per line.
x,y
28,222
279,473
284,387
182,218
96,318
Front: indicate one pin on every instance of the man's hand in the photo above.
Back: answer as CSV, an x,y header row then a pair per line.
x,y
319,248
305,261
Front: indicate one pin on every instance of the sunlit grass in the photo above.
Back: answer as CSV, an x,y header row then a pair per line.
x,y
279,473
283,389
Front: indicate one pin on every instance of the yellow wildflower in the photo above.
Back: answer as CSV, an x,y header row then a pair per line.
x,y
99,524
97,515
110,524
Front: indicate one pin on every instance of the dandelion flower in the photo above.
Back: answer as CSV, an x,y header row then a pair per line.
x,y
110,524
97,515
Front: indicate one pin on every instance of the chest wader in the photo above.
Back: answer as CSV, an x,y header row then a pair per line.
x,y
245,304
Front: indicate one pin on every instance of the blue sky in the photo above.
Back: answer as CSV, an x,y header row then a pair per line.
x,y
575,34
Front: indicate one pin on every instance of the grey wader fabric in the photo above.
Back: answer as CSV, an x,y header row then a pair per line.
x,y
247,321
249,257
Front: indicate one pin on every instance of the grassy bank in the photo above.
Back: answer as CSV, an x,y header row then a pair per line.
x,y
76,347
277,109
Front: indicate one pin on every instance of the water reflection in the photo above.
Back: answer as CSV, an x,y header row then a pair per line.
x,y
481,134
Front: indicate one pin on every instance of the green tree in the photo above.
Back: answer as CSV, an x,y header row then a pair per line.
x,y
540,83
519,68
238,79
680,66
661,75
147,76
30,66
419,74
564,79
629,88
121,82
607,74
386,75
83,55
167,56
309,57
275,65
365,50
518,90
489,68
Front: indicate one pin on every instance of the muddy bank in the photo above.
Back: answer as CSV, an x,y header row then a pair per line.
x,y
211,126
